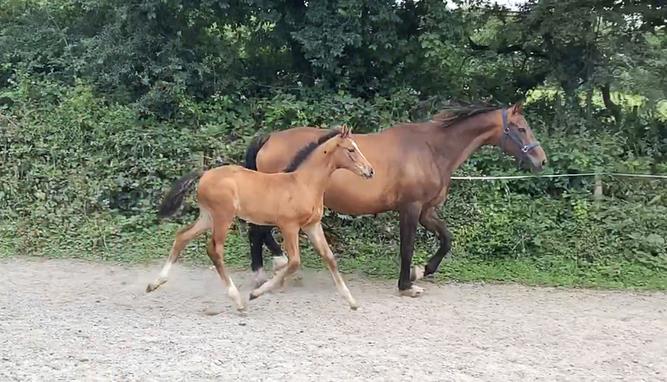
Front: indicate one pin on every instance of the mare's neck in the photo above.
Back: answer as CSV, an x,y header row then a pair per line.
x,y
458,142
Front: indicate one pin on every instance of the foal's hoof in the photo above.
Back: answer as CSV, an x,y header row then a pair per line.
x,y
154,285
252,296
414,291
354,306
417,273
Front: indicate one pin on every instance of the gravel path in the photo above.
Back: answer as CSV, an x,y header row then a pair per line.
x,y
69,320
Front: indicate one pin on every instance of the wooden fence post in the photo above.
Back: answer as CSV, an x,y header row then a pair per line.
x,y
597,191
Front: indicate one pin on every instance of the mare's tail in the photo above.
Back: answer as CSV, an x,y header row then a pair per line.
x,y
251,152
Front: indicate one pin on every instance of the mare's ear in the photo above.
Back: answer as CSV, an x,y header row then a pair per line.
x,y
517,108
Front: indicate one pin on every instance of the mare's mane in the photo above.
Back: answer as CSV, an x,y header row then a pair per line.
x,y
455,112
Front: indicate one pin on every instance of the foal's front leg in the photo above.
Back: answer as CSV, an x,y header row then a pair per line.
x,y
291,237
319,241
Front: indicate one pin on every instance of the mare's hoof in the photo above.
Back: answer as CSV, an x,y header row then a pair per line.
x,y
414,291
354,307
252,296
417,272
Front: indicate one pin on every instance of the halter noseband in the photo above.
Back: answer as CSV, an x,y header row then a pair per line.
x,y
508,133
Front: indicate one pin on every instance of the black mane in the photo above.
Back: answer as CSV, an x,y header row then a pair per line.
x,y
457,111
307,150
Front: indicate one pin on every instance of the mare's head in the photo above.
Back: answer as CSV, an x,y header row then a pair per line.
x,y
517,139
346,154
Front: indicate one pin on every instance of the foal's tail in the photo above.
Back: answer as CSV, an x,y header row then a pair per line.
x,y
253,149
175,196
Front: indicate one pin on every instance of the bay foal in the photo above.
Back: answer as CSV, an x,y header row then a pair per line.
x,y
290,201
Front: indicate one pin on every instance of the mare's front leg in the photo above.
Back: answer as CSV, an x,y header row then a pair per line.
x,y
429,219
409,216
291,237
319,241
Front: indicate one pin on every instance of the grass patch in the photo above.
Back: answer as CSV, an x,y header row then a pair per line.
x,y
103,240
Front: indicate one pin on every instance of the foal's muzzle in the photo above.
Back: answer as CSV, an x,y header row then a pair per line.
x,y
368,173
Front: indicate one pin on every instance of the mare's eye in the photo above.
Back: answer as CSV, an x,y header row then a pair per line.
x,y
351,150
522,130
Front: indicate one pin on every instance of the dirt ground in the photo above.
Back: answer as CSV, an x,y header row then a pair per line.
x,y
69,320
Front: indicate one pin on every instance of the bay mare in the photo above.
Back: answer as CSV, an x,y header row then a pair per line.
x,y
413,166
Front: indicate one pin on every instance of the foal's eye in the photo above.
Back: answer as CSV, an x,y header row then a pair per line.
x,y
351,150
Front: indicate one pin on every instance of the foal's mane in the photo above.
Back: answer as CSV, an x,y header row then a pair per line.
x,y
457,111
306,150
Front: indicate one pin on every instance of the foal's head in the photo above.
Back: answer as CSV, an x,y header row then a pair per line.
x,y
517,139
346,154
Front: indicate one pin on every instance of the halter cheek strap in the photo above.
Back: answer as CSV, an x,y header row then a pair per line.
x,y
508,133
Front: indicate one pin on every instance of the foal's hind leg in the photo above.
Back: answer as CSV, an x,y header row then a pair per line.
x,y
183,237
316,236
215,251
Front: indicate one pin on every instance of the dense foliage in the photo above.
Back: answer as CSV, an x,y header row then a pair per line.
x,y
103,103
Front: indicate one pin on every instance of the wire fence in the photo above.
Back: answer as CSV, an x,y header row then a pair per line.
x,y
593,174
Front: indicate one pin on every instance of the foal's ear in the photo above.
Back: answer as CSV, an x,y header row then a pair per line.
x,y
345,131
517,108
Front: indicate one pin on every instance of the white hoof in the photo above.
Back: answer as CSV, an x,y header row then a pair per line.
x,y
417,273
155,284
414,291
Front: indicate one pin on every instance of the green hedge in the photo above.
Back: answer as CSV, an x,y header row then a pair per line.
x,y
81,176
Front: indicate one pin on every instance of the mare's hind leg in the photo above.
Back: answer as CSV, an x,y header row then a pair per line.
x,y
260,235
409,217
316,236
279,258
291,236
216,251
183,237
256,235
429,219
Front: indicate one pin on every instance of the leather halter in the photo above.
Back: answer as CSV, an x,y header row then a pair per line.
x,y
514,136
